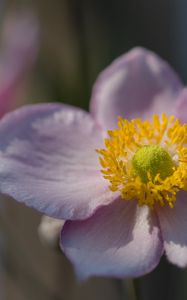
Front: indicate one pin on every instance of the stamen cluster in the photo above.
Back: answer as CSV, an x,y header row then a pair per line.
x,y
165,135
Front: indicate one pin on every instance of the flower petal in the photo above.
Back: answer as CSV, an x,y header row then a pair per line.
x,y
180,109
49,162
120,240
173,223
137,84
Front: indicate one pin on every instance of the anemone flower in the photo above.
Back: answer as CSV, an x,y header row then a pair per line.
x,y
116,175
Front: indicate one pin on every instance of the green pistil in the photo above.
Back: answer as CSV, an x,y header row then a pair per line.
x,y
154,160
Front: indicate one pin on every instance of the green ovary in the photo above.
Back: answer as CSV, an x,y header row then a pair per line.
x,y
152,160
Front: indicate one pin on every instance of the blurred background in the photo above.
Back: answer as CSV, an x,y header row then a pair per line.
x,y
53,51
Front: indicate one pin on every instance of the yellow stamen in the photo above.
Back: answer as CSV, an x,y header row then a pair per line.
x,y
146,160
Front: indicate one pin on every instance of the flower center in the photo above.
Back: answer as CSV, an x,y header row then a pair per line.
x,y
146,160
154,160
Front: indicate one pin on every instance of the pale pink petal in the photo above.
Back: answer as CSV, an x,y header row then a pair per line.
x,y
49,161
120,240
180,109
137,84
173,223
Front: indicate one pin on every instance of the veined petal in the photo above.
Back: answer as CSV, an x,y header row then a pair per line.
x,y
173,223
120,240
48,160
137,84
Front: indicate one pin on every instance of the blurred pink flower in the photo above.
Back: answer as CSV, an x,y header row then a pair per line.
x,y
121,220
20,42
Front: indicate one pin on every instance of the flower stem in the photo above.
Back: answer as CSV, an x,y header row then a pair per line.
x,y
137,289
131,290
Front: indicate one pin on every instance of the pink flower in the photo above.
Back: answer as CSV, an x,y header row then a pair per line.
x,y
124,204
18,54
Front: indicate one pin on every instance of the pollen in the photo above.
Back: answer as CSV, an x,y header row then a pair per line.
x,y
146,161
